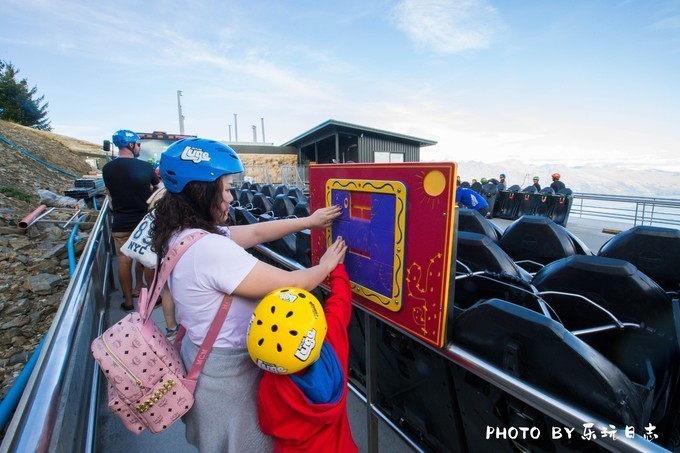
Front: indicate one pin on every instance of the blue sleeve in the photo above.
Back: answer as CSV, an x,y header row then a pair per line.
x,y
322,383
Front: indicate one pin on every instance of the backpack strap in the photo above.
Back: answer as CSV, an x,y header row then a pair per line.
x,y
163,272
204,350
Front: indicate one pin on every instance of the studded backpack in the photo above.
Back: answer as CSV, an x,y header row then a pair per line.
x,y
148,386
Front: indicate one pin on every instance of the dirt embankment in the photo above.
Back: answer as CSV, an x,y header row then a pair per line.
x,y
21,176
34,270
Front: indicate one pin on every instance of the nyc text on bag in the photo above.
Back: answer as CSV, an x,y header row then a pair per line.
x,y
148,386
138,245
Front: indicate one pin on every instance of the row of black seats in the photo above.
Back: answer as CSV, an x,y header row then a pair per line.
x,y
625,371
616,358
515,202
255,203
531,241
592,330
279,200
534,241
583,321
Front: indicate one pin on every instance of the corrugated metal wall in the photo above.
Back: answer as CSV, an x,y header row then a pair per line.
x,y
370,145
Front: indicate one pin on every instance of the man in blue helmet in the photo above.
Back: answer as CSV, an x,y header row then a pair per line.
x,y
130,182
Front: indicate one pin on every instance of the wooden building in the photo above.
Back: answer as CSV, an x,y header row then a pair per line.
x,y
336,141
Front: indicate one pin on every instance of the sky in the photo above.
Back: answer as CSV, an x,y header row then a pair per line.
x,y
573,82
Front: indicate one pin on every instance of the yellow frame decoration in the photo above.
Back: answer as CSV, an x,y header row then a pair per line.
x,y
392,302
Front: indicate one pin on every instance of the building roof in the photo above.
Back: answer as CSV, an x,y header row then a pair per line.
x,y
260,148
331,126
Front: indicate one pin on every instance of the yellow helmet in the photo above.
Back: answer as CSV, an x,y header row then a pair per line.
x,y
286,331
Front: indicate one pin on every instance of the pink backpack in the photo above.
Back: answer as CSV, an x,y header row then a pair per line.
x,y
148,386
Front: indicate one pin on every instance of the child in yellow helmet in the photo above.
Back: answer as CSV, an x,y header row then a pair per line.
x,y
304,349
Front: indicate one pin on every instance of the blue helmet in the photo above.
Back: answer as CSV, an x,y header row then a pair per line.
x,y
197,159
124,137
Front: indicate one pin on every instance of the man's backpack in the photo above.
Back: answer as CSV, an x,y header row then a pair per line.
x,y
148,385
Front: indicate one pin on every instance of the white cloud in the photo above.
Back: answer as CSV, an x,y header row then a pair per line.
x,y
18,42
449,26
670,23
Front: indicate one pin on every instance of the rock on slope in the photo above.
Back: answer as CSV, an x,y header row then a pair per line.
x,y
33,265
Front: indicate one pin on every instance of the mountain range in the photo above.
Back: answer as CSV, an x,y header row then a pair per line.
x,y
609,180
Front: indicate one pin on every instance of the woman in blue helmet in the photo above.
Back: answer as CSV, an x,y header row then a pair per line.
x,y
198,174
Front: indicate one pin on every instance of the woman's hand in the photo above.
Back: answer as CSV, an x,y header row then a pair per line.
x,y
335,254
264,277
323,218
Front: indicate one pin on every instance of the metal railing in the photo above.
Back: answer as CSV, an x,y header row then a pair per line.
x,y
55,412
258,174
655,211
295,175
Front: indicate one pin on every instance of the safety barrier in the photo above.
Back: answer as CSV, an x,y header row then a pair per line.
x,y
634,210
653,211
295,175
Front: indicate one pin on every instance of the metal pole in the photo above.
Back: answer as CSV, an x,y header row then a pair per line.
x,y
262,120
371,350
230,132
179,111
235,128
337,147
254,134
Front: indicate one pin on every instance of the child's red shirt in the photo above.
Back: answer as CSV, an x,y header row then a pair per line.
x,y
287,414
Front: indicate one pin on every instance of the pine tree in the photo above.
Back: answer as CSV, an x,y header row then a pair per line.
x,y
17,103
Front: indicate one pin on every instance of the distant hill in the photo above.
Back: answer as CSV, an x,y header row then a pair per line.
x,y
610,180
26,175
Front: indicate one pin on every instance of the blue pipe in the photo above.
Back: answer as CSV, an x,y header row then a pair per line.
x,y
47,164
14,395
71,249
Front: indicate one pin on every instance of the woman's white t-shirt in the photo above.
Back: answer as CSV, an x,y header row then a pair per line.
x,y
212,266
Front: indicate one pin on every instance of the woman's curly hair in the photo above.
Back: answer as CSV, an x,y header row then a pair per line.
x,y
196,206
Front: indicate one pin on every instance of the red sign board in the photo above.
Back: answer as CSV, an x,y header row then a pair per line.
x,y
398,221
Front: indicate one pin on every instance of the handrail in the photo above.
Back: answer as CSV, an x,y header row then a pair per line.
x,y
562,412
628,209
294,172
38,422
